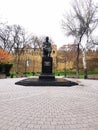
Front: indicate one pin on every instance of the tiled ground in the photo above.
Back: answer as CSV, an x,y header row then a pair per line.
x,y
48,108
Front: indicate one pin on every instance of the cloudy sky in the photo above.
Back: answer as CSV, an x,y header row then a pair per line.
x,y
41,17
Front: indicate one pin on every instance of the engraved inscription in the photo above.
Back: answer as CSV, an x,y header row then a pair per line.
x,y
47,63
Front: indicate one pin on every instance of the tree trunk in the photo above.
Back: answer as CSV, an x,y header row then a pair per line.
x,y
77,61
17,63
84,64
85,73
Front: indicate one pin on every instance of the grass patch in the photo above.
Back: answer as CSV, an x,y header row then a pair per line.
x,y
92,72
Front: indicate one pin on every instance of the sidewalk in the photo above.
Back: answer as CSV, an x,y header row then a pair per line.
x,y
49,108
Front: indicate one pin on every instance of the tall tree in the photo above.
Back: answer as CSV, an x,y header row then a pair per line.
x,y
70,53
80,23
20,41
6,41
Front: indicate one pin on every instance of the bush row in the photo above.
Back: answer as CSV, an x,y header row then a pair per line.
x,y
23,74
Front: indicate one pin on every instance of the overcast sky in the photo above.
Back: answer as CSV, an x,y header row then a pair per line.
x,y
41,17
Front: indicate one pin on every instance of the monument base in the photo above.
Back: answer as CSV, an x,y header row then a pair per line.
x,y
37,82
47,69
46,77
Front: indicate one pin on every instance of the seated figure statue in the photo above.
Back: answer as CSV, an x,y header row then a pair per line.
x,y
47,48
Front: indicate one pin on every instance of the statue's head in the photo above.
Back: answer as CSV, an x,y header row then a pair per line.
x,y
47,38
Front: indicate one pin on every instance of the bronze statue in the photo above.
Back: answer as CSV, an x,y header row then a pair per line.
x,y
47,49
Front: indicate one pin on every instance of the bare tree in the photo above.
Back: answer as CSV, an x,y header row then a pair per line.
x,y
37,42
32,41
70,54
20,41
6,41
93,42
80,24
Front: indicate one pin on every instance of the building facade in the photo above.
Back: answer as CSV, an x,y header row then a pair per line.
x,y
30,59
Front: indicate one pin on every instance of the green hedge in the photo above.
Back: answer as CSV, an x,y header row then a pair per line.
x,y
64,73
92,72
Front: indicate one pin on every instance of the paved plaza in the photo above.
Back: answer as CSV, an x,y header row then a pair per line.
x,y
49,108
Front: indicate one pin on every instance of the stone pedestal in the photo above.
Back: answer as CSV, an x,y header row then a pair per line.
x,y
47,69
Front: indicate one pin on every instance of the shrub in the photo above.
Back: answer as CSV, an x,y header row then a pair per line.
x,y
5,57
5,68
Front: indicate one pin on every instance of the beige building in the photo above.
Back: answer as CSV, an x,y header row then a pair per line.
x,y
30,59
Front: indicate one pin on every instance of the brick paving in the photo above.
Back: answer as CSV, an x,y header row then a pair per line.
x,y
49,108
